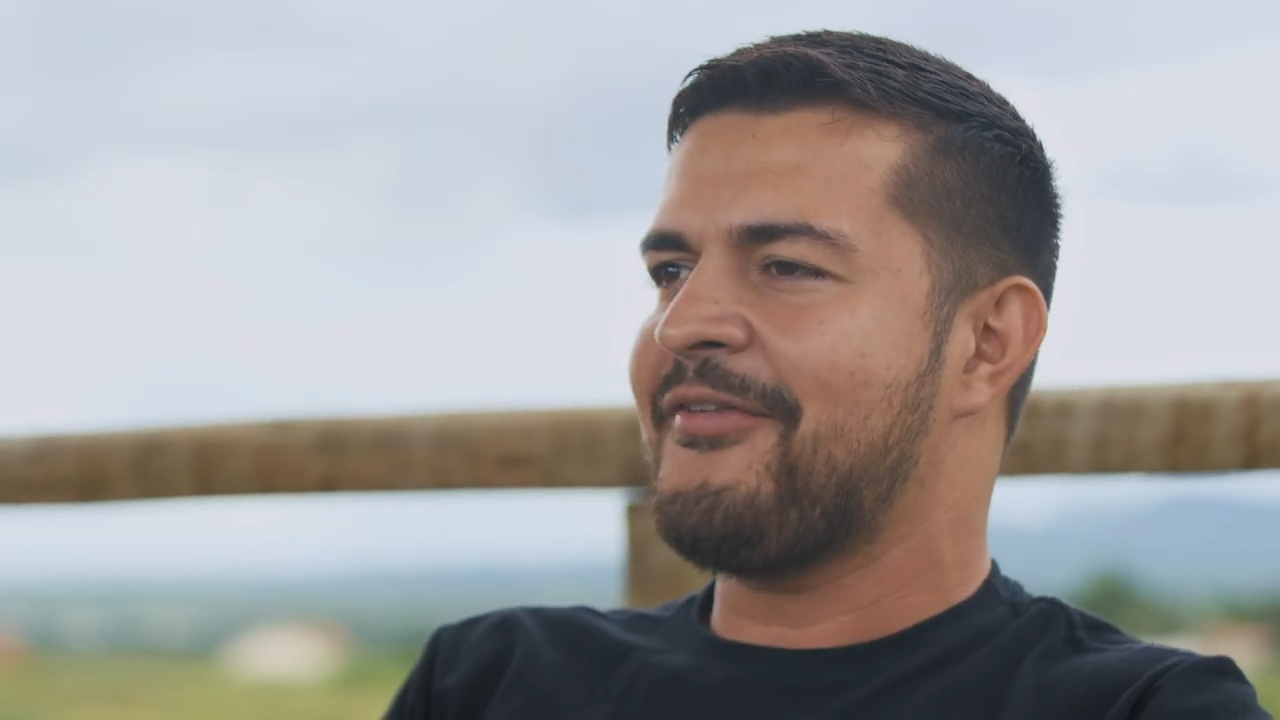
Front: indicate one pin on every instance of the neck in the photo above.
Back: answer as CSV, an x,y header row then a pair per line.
x,y
905,578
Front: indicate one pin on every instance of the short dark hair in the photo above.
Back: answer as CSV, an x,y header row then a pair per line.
x,y
977,182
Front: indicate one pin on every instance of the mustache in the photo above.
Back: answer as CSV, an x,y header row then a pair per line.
x,y
774,400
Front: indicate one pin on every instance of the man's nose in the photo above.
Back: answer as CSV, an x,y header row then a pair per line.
x,y
704,319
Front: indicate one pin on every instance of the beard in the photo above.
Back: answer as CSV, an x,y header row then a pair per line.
x,y
826,492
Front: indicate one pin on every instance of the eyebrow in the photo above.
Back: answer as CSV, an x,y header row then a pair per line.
x,y
754,235
665,241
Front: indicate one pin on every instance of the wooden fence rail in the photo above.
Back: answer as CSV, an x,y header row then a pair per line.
x,y
1190,428
1187,428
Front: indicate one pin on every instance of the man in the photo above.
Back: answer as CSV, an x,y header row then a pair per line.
x,y
854,258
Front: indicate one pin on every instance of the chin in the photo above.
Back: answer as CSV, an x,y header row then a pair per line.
x,y
715,462
677,479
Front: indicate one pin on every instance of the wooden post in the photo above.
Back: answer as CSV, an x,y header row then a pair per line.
x,y
655,574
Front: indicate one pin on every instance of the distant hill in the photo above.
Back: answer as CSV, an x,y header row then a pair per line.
x,y
384,610
1189,549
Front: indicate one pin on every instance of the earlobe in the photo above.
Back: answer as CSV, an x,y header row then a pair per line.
x,y
1005,324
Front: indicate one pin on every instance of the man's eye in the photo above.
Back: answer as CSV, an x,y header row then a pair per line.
x,y
668,274
788,270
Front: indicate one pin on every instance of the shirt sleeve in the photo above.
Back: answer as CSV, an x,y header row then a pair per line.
x,y
413,701
1203,688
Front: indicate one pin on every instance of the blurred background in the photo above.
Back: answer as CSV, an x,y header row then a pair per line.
x,y
231,211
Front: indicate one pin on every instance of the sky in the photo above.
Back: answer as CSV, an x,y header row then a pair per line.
x,y
234,210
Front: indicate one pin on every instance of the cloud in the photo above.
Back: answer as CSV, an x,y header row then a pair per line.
x,y
334,535
1169,177
554,98
1188,177
238,209
540,315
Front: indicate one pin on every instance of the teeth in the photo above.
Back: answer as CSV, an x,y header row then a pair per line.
x,y
703,407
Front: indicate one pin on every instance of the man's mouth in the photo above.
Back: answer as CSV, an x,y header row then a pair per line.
x,y
699,412
708,399
706,407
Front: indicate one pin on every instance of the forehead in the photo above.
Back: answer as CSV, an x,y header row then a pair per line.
x,y
823,165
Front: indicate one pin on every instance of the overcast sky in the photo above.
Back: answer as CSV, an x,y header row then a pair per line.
x,y
239,209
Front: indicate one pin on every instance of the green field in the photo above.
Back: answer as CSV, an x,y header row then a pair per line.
x,y
1269,690
85,687
70,687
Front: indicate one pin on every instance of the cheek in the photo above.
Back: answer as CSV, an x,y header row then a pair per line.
x,y
843,367
648,363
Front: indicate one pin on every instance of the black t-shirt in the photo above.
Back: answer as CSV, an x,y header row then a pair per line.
x,y
1000,654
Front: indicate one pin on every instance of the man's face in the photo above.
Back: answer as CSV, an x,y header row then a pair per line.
x,y
787,378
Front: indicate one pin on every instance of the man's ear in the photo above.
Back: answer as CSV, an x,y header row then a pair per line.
x,y
1003,326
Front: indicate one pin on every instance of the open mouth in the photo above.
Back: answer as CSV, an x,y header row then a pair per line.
x,y
705,407
699,412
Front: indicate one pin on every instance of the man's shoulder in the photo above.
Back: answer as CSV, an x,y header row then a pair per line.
x,y
504,626
1082,650
466,664
551,629
1072,640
